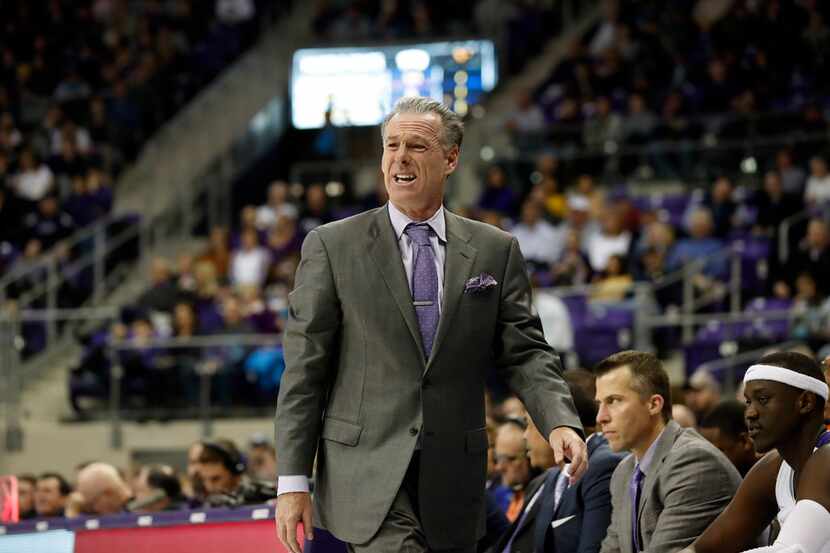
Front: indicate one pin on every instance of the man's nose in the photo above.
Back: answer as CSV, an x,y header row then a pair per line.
x,y
402,154
602,414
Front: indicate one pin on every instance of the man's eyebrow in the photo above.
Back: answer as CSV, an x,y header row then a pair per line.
x,y
606,398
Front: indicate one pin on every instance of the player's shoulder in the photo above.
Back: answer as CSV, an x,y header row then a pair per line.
x,y
817,467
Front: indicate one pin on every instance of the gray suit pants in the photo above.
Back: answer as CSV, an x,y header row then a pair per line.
x,y
401,530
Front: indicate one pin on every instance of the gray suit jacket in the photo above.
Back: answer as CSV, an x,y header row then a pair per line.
x,y
358,391
688,484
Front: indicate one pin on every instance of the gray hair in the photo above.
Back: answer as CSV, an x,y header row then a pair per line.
x,y
452,127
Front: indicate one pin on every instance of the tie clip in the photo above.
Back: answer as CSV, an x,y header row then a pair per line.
x,y
422,303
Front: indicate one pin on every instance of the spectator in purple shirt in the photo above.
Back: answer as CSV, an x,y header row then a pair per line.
x,y
497,195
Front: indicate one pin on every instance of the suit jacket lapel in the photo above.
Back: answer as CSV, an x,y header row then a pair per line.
x,y
664,445
547,509
624,535
387,256
457,266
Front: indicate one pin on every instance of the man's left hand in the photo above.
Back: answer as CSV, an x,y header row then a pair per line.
x,y
567,445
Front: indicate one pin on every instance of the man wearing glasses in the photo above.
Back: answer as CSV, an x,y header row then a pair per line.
x,y
513,463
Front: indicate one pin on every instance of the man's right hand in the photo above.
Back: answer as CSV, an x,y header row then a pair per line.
x,y
293,508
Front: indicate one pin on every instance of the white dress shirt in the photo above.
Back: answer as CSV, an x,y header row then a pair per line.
x,y
299,483
540,242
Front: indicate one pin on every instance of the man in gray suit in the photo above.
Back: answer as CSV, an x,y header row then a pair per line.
x,y
396,315
674,482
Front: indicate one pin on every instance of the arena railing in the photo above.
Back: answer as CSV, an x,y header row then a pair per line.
x,y
205,369
647,317
730,366
209,348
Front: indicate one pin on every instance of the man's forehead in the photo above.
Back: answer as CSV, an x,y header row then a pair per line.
x,y
424,124
755,386
619,376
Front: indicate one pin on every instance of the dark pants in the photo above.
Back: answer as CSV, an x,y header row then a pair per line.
x,y
401,530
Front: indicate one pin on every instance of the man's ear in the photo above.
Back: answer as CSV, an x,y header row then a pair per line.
x,y
806,402
655,404
452,159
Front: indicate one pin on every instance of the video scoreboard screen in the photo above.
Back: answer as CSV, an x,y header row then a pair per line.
x,y
359,85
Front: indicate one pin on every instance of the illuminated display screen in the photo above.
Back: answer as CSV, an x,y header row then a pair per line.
x,y
360,85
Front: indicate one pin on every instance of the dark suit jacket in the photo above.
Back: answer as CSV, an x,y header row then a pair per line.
x,y
687,485
358,391
583,513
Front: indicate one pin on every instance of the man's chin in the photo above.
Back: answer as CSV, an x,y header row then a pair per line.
x,y
762,447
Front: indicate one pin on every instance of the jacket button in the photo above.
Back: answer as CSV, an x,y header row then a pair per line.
x,y
413,431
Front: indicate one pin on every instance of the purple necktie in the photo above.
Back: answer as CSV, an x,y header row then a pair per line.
x,y
424,283
634,489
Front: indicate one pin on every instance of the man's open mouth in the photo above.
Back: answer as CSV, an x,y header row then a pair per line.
x,y
404,178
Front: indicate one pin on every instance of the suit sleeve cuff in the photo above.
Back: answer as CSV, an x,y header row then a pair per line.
x,y
289,484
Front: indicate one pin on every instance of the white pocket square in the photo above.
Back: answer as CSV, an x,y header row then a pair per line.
x,y
561,521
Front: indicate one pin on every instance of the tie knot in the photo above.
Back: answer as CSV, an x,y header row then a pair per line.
x,y
418,233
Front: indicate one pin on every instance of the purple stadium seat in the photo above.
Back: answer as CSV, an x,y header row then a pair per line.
x,y
599,330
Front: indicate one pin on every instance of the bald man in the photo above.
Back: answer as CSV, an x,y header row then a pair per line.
x,y
100,491
513,463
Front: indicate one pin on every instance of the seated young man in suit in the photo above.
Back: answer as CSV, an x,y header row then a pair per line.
x,y
674,482
785,397
559,517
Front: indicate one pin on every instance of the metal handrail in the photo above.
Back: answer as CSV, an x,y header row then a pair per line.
x,y
49,264
732,361
18,271
669,146
199,341
172,343
784,233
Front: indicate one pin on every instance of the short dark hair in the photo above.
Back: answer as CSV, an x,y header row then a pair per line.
x,y
223,452
63,485
582,385
27,477
797,362
583,379
163,477
648,377
519,423
728,417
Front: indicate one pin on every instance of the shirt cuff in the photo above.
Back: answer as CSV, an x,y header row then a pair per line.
x,y
290,484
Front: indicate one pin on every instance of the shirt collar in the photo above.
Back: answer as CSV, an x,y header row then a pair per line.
x,y
436,222
645,462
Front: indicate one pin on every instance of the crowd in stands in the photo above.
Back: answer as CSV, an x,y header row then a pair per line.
x,y
652,77
518,28
83,85
237,285
217,474
575,236
582,232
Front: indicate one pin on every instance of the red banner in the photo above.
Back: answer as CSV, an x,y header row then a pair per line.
x,y
225,537
9,504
